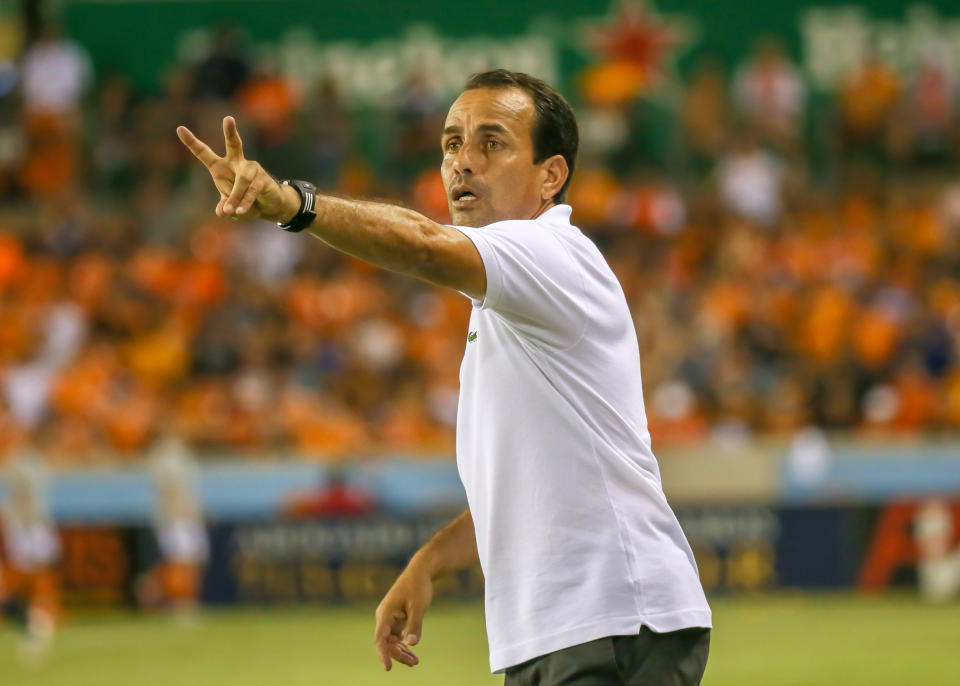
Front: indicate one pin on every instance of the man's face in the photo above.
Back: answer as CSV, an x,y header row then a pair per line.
x,y
488,167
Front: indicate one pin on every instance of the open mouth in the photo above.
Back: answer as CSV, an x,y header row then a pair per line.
x,y
463,197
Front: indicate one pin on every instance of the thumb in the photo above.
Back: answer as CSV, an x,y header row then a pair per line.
x,y
414,628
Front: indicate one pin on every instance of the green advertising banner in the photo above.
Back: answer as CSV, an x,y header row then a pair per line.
x,y
370,46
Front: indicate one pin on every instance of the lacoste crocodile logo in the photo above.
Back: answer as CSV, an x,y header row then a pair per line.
x,y
471,337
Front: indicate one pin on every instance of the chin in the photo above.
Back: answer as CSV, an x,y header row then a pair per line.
x,y
468,219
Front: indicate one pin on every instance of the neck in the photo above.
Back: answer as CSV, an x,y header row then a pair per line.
x,y
544,206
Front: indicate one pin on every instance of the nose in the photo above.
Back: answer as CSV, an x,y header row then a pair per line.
x,y
465,161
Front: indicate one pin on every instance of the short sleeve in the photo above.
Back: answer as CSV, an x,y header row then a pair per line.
x,y
533,282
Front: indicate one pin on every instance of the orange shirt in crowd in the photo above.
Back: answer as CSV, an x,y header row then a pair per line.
x,y
868,96
52,159
951,399
12,260
824,330
917,400
322,429
269,102
875,337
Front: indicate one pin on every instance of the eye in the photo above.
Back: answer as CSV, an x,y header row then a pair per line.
x,y
492,144
452,145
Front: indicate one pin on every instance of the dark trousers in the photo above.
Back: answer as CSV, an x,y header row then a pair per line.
x,y
677,658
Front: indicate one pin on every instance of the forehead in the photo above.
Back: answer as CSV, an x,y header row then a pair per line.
x,y
510,107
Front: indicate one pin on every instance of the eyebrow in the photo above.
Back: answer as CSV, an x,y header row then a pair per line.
x,y
485,128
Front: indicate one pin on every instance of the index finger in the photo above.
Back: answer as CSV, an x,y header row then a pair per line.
x,y
381,639
200,149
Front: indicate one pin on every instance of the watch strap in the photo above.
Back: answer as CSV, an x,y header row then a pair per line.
x,y
307,212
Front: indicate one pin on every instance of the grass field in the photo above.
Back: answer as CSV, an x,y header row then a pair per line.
x,y
764,641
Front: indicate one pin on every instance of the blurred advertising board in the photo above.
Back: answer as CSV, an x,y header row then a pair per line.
x,y
738,549
370,58
867,547
341,559
99,564
317,560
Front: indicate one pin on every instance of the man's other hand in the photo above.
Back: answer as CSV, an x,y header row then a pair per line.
x,y
400,617
247,191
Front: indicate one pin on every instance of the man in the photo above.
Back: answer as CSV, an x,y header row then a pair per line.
x,y
31,589
588,576
180,532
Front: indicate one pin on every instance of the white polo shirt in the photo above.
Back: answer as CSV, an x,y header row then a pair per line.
x,y
575,536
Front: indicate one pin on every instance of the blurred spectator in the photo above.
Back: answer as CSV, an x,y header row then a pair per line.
x,y
269,102
809,455
673,416
224,69
925,132
53,334
56,74
770,92
750,181
112,135
328,132
764,300
705,113
868,98
336,497
418,118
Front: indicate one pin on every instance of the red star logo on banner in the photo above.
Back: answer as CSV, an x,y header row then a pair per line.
x,y
636,47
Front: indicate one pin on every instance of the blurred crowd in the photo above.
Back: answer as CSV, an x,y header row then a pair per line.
x,y
791,257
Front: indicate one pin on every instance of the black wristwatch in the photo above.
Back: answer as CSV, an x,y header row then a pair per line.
x,y
306,215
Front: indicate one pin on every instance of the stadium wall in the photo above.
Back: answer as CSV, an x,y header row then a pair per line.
x,y
850,523
369,58
338,559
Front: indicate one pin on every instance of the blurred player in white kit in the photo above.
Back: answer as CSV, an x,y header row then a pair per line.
x,y
938,569
29,587
180,531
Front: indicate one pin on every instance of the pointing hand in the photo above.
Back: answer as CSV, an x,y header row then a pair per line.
x,y
247,191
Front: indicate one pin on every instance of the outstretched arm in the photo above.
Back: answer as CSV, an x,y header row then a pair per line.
x,y
388,236
400,613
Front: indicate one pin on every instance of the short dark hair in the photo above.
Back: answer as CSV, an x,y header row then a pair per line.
x,y
555,129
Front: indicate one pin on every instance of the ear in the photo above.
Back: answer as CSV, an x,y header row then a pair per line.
x,y
555,173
